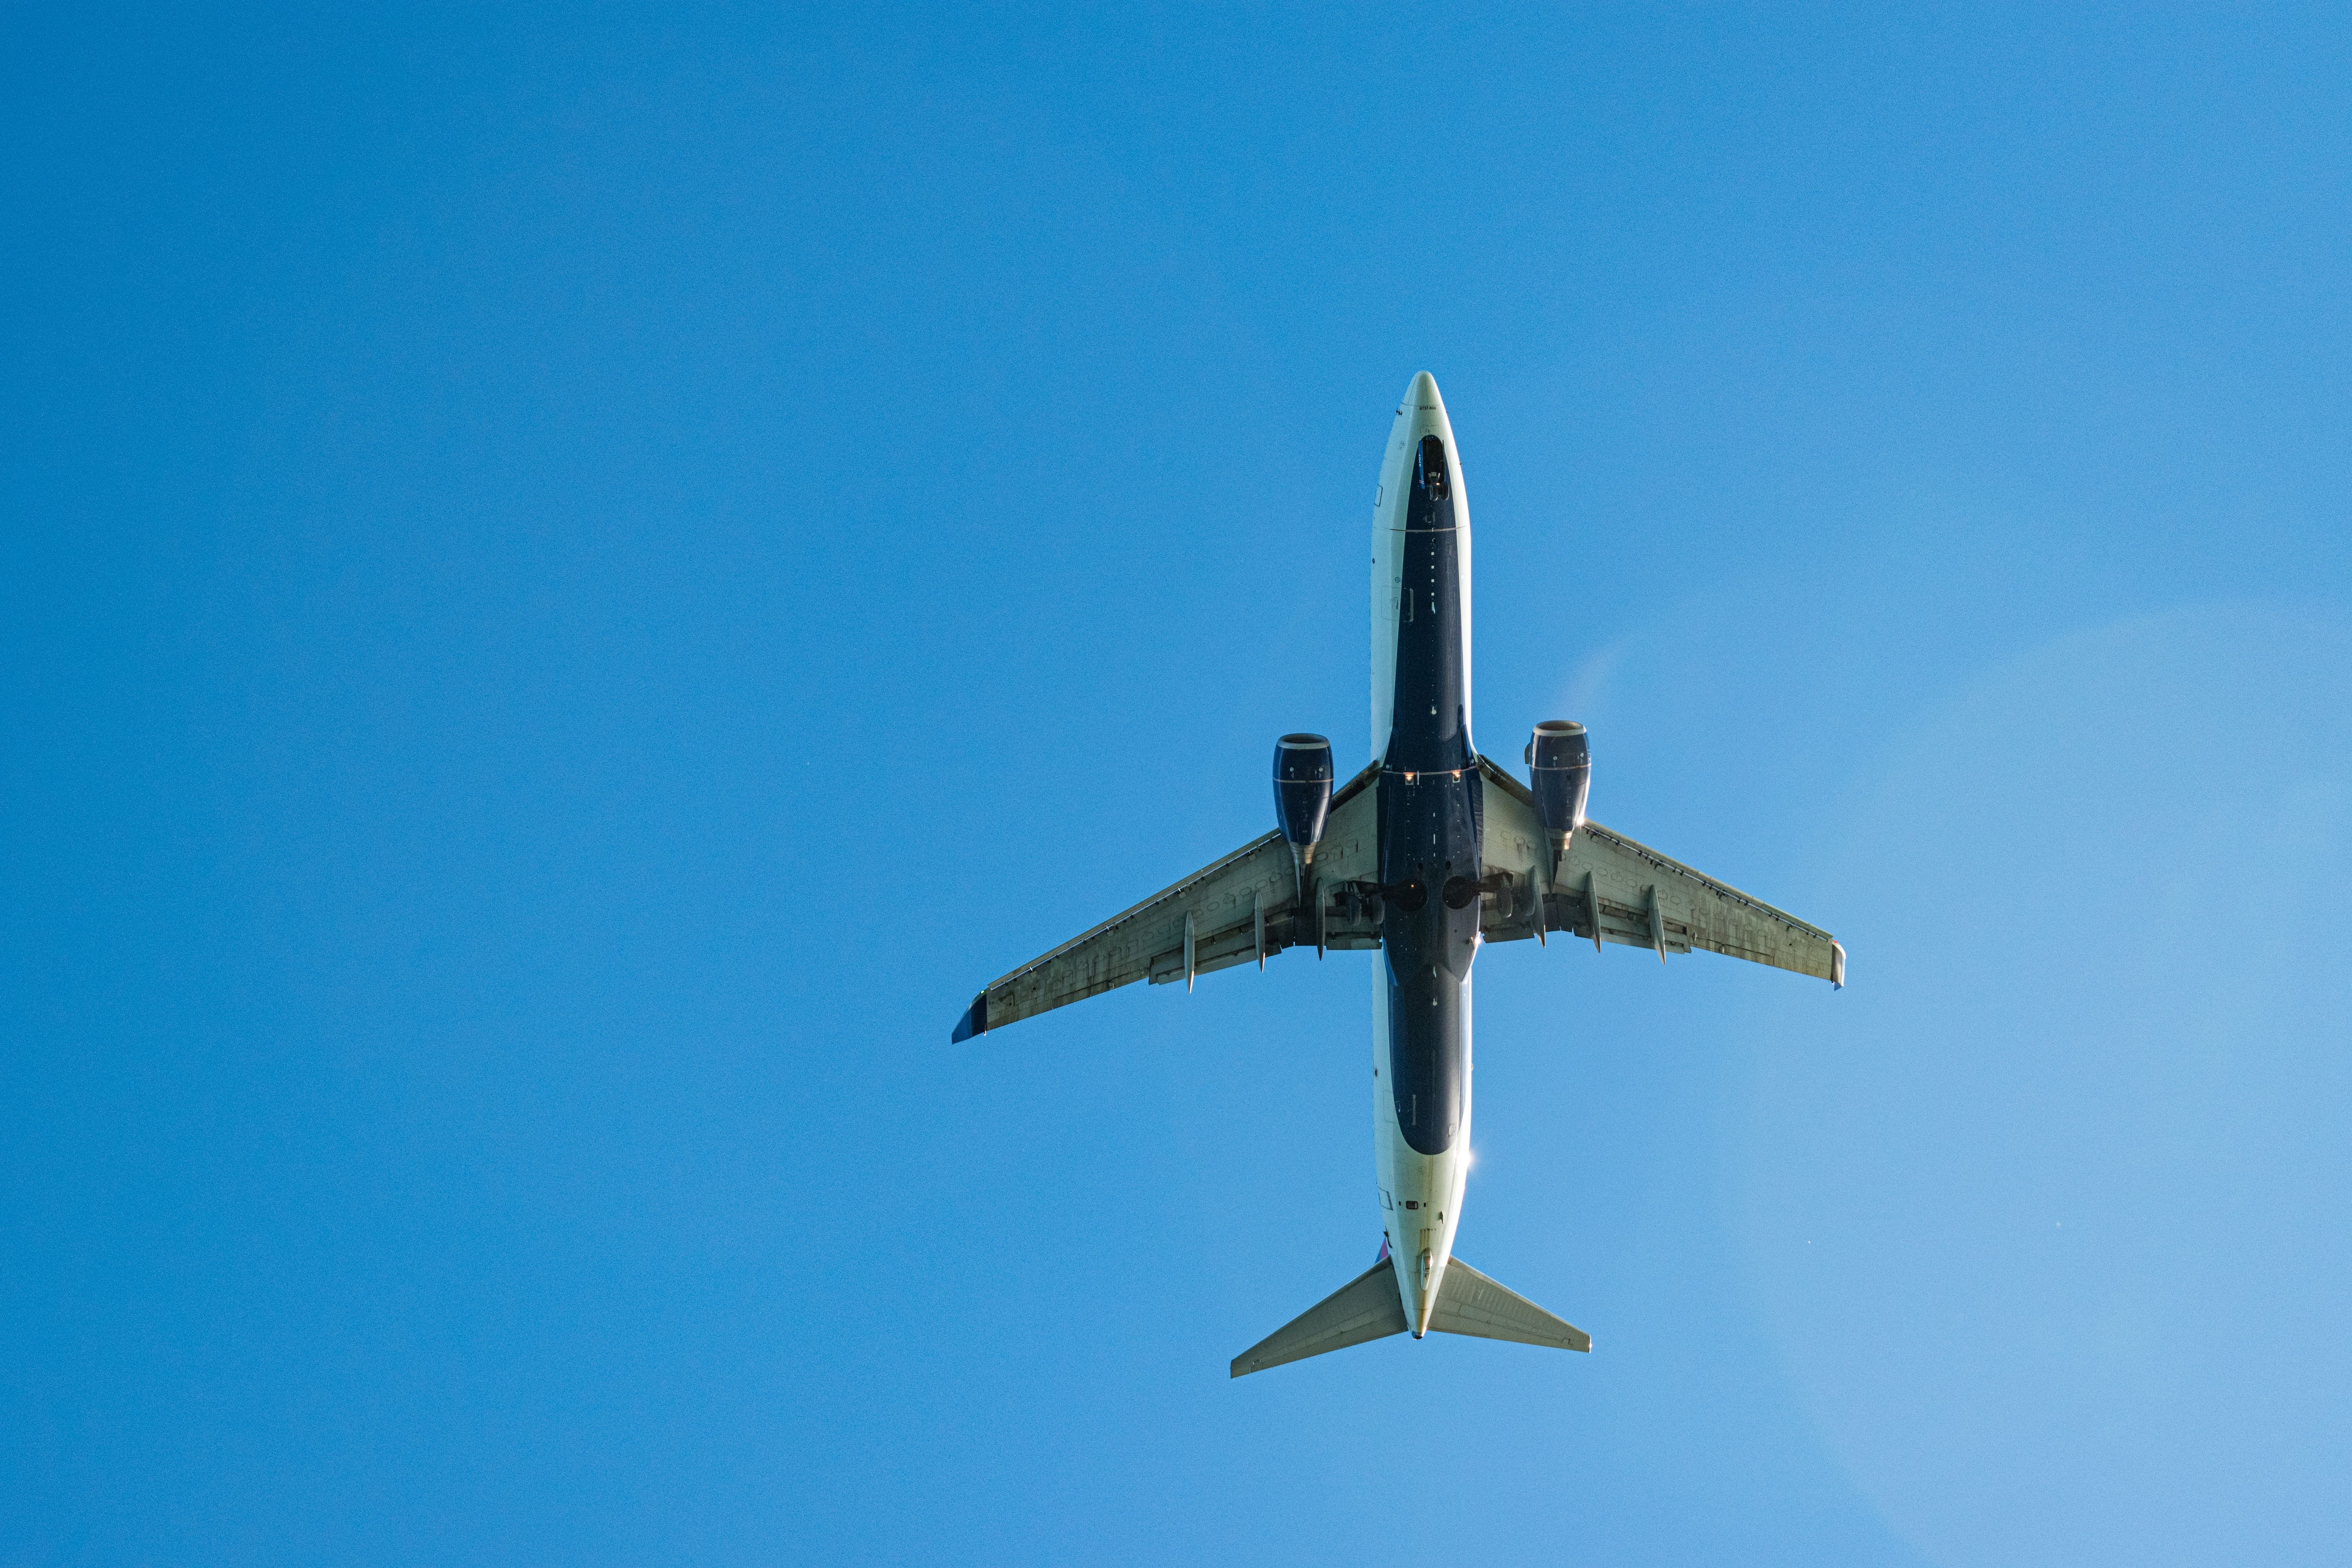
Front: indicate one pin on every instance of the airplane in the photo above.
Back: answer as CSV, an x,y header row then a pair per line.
x,y
1427,854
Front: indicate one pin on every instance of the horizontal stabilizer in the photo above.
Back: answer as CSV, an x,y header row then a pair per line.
x,y
1470,1303
1366,1308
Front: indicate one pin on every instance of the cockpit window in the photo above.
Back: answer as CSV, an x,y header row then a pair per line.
x,y
1432,477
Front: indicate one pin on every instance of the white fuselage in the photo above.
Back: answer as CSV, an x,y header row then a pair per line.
x,y
1420,1193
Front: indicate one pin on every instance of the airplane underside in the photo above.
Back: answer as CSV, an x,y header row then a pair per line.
x,y
1427,854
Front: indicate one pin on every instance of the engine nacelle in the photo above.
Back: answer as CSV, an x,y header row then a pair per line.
x,y
1302,790
1559,769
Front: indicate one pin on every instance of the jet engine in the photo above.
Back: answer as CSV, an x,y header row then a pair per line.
x,y
1559,768
1302,797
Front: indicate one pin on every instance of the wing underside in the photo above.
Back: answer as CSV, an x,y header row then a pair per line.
x,y
1246,907
1612,889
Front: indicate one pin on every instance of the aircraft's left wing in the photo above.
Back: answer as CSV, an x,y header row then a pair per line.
x,y
1612,889
1242,907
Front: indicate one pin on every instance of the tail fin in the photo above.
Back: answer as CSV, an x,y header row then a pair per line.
x,y
1470,1303
1366,1308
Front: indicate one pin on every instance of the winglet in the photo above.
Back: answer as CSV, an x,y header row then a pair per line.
x,y
1837,965
974,1020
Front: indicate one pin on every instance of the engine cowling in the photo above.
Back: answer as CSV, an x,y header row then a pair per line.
x,y
1302,789
1559,771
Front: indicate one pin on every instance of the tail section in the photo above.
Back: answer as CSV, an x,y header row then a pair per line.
x,y
1368,1308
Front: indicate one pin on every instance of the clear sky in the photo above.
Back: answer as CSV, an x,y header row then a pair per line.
x,y
574,584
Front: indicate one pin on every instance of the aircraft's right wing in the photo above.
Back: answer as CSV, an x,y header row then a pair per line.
x,y
1232,911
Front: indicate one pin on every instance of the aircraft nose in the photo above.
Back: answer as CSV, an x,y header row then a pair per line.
x,y
1422,392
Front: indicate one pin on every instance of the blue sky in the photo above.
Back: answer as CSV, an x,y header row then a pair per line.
x,y
575,583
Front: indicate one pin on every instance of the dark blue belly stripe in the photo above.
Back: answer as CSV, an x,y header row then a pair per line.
x,y
1430,807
